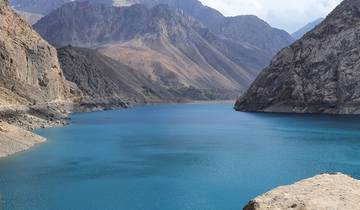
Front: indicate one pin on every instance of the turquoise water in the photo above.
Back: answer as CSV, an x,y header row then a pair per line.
x,y
175,157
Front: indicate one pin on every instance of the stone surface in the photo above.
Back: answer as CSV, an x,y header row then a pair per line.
x,y
317,74
323,192
14,139
29,69
33,90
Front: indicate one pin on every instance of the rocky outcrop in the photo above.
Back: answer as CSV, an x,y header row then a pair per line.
x,y
323,192
30,73
317,74
33,90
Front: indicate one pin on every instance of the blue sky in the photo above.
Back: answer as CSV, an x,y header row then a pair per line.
x,y
285,14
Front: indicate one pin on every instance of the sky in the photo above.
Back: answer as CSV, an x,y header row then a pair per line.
x,y
289,15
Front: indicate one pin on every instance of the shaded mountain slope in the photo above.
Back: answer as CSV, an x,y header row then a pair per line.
x,y
106,83
317,74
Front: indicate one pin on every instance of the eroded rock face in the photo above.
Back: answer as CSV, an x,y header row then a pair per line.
x,y
317,74
323,192
29,69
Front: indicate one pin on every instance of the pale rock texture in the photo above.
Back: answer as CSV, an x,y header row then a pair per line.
x,y
33,89
14,139
322,192
30,73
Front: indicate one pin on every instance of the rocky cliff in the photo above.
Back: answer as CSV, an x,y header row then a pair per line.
x,y
30,73
323,192
317,74
33,89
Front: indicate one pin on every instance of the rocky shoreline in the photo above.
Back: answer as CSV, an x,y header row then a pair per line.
x,y
14,139
322,192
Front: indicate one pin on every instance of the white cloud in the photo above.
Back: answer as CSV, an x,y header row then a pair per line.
x,y
286,14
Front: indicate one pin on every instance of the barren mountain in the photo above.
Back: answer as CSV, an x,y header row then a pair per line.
x,y
163,44
247,30
317,74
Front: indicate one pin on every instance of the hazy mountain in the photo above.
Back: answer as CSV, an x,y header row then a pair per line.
x,y
308,27
31,18
164,44
317,74
247,30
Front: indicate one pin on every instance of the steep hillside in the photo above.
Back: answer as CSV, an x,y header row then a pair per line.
x,y
317,74
107,83
163,44
30,73
308,27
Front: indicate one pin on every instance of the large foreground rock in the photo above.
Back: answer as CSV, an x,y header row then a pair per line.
x,y
323,192
320,73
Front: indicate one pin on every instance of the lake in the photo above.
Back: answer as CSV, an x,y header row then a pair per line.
x,y
175,157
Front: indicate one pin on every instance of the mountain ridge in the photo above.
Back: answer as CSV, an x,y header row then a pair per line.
x,y
176,51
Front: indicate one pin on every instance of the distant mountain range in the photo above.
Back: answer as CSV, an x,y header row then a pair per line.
x,y
162,43
248,30
308,27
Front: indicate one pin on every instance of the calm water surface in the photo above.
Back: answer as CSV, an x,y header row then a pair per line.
x,y
175,157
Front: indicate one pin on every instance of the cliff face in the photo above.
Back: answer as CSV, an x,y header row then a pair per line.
x,y
317,74
29,69
323,192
